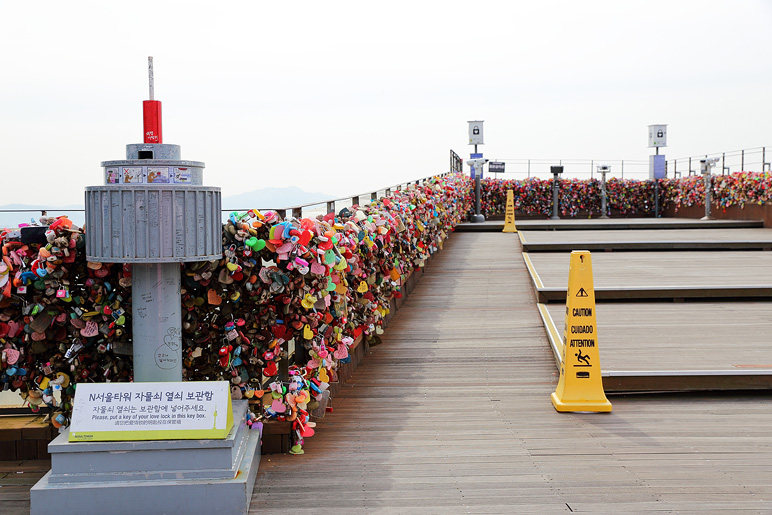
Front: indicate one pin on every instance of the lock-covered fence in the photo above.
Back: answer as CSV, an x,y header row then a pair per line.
x,y
582,198
276,316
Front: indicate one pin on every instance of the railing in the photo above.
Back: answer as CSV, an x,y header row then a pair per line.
x,y
572,168
297,211
750,159
329,206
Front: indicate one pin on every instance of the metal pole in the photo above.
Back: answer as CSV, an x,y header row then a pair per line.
x,y
157,321
623,168
529,168
707,195
555,197
742,160
603,201
656,191
150,76
477,192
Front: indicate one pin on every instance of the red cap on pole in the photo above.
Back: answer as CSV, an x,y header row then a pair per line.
x,y
151,111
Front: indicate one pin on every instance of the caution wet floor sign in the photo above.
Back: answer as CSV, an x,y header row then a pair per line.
x,y
580,387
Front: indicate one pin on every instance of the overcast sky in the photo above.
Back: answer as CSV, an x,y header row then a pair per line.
x,y
347,97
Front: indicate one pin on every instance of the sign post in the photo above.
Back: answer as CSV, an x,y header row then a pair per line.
x,y
657,169
476,163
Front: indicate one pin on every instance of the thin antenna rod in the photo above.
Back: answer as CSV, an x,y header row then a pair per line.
x,y
150,76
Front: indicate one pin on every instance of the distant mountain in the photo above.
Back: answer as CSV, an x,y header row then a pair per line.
x,y
273,198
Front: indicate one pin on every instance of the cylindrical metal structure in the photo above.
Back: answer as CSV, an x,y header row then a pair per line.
x,y
154,212
157,320
153,223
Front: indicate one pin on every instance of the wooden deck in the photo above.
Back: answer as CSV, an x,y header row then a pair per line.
x,y
451,414
647,239
664,275
575,224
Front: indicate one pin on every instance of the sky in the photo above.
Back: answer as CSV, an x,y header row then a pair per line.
x,y
343,97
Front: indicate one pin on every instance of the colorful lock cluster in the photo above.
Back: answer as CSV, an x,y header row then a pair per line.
x,y
626,197
278,313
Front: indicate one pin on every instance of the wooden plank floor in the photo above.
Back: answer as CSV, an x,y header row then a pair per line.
x,y
16,479
572,224
646,269
451,414
662,336
648,235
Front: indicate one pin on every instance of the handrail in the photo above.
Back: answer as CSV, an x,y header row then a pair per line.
x,y
330,204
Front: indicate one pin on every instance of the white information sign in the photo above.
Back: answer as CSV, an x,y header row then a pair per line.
x,y
657,135
151,411
476,132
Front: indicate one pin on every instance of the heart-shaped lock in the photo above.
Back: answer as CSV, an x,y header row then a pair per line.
x,y
11,356
362,287
278,406
323,377
308,301
213,297
270,369
307,332
341,352
91,329
318,268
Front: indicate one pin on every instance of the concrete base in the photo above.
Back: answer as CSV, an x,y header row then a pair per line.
x,y
477,219
162,476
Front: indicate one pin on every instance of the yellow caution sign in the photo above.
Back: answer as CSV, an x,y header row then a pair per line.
x,y
509,214
580,387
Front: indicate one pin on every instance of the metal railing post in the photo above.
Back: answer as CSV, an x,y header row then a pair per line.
x,y
331,206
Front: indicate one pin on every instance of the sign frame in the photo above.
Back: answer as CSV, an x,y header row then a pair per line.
x,y
657,136
476,132
188,410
